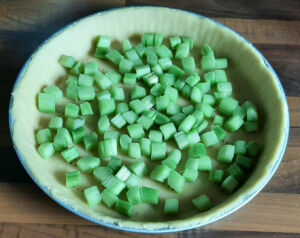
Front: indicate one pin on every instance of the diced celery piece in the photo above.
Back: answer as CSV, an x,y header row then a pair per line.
x,y
227,106
220,132
225,88
181,140
250,126
173,159
101,173
216,176
190,175
55,123
145,145
123,173
108,197
226,154
197,150
240,147
157,69
70,154
236,172
125,66
148,39
138,92
243,161
132,55
162,103
158,39
182,50
186,91
107,148
55,91
86,109
202,203
253,148
193,79
106,106
88,164
46,150
168,130
155,136
74,123
102,81
136,131
46,103
157,90
196,95
193,137
165,63
103,124
73,179
67,61
130,117
158,150
86,93
218,120
172,94
134,151
205,163
114,56
92,196
176,181
115,163
140,49
229,184
78,135
171,206
188,64
149,195
77,68
142,71
111,135
137,105
139,168
209,138
62,139
121,108
178,72
114,77
118,94
125,140
189,40
187,123
174,42
43,136
133,181
221,63
118,121
192,163
166,80
124,208
164,52
134,195
160,173
90,141
233,123
114,184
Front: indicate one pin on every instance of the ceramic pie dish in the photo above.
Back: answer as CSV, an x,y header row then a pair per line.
x,y
252,77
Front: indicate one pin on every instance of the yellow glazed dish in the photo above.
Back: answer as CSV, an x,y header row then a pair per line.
x,y
252,78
